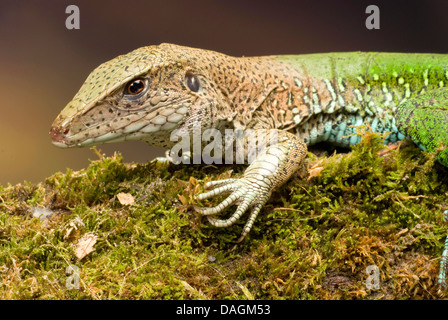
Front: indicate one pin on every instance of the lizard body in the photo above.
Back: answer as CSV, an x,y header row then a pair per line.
x,y
301,100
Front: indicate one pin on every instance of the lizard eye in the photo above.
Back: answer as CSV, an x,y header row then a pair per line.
x,y
192,81
135,87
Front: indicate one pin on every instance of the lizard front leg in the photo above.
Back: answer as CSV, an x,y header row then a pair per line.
x,y
269,170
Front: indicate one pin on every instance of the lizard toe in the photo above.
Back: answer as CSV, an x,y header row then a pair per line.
x,y
220,207
246,193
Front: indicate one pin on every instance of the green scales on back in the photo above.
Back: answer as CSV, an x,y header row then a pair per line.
x,y
367,88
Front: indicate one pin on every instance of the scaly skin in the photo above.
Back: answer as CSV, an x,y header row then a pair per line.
x,y
301,99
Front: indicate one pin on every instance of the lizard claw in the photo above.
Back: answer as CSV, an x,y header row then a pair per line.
x,y
245,192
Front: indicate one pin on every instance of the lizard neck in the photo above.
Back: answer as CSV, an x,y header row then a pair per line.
x,y
252,86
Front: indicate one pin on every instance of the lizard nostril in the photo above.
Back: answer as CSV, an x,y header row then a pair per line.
x,y
57,135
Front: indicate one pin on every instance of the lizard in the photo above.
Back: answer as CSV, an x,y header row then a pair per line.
x,y
300,100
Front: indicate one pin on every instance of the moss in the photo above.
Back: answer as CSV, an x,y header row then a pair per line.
x,y
313,240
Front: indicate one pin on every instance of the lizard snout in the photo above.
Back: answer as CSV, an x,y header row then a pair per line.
x,y
57,135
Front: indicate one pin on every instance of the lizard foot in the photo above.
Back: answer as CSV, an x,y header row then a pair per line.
x,y
245,192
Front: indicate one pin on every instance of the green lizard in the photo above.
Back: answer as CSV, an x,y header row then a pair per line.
x,y
301,100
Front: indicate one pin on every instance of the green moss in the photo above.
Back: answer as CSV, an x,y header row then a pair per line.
x,y
313,240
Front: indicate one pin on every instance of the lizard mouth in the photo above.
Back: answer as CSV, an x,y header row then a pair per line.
x,y
63,139
58,137
65,132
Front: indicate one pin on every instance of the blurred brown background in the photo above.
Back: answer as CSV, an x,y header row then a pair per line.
x,y
42,64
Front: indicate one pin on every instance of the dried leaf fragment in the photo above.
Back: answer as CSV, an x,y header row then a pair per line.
x,y
315,172
193,181
182,199
73,226
315,169
125,199
85,245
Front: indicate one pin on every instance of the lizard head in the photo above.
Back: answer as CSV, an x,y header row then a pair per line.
x,y
143,95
